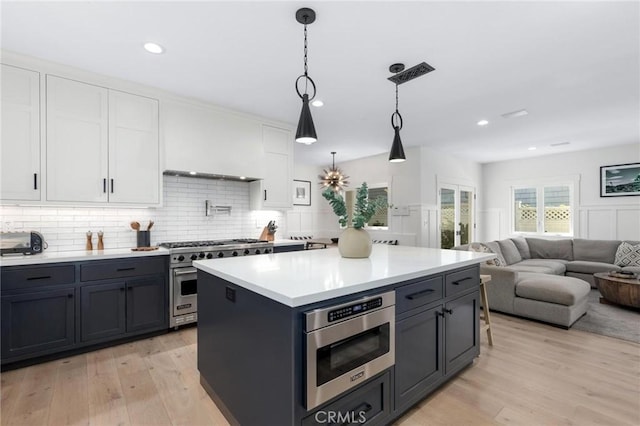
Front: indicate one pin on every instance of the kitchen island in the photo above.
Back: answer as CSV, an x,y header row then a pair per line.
x,y
255,341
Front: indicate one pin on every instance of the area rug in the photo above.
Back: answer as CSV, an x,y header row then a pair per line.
x,y
609,320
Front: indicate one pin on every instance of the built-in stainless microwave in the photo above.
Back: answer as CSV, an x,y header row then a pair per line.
x,y
346,344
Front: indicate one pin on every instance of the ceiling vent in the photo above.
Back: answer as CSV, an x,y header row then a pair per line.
x,y
413,72
514,114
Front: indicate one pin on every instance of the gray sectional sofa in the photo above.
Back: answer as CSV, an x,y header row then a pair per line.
x,y
547,280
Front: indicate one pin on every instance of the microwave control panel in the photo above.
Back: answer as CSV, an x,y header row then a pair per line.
x,y
355,309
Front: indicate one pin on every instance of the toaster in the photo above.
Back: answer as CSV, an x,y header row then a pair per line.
x,y
26,242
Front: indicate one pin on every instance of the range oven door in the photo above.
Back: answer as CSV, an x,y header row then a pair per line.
x,y
185,291
346,354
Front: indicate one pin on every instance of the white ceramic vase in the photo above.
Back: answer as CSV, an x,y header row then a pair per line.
x,y
354,243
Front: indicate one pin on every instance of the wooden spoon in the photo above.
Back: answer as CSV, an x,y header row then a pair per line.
x,y
135,226
150,225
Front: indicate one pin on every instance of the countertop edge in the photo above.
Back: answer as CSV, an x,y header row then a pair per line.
x,y
77,256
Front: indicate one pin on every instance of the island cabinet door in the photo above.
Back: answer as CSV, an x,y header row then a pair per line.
x,y
418,356
461,334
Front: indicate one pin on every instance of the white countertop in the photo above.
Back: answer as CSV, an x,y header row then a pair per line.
x,y
76,256
309,276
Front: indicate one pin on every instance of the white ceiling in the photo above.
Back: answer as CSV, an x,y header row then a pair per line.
x,y
574,66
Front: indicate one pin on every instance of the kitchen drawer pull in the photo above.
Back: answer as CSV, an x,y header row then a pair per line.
x,y
125,269
185,272
265,195
419,294
461,280
46,277
448,311
104,185
35,181
121,288
112,186
70,295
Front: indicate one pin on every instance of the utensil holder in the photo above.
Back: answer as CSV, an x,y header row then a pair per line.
x,y
144,238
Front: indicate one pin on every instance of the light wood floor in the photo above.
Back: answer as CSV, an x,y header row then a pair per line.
x,y
533,375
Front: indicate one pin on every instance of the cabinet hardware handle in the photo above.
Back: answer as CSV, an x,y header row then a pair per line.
x,y
419,294
461,280
124,269
265,195
104,185
121,288
39,278
112,186
439,314
448,311
70,295
35,181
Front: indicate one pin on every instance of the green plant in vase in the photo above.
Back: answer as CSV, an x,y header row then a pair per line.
x,y
363,210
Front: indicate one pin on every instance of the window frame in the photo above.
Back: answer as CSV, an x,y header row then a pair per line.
x,y
539,185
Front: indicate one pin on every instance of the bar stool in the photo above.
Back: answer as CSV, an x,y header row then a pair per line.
x,y
484,280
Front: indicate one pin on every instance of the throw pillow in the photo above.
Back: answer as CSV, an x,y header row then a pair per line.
x,y
628,254
481,248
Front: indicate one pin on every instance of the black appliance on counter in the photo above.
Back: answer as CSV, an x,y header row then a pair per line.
x,y
183,286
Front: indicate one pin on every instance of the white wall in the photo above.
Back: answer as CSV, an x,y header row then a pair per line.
x,y
598,218
182,217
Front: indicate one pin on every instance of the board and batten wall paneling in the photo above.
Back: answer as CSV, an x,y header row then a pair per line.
x,y
598,217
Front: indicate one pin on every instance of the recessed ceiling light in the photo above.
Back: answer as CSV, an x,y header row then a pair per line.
x,y
483,123
243,177
317,103
514,114
153,48
532,148
193,173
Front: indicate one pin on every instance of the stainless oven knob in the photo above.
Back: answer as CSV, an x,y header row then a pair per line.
x,y
209,255
267,250
220,254
180,258
194,257
257,251
246,251
235,253
201,255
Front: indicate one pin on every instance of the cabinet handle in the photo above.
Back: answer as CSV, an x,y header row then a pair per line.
x,y
124,269
121,288
35,181
70,295
461,280
112,186
104,185
420,294
448,311
265,195
439,314
39,278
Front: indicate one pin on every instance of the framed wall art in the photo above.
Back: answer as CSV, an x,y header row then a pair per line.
x,y
301,193
620,180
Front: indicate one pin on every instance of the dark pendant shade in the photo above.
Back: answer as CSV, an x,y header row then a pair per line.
x,y
397,152
306,130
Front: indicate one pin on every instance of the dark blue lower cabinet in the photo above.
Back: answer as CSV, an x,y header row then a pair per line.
x,y
102,311
369,404
462,335
147,304
37,323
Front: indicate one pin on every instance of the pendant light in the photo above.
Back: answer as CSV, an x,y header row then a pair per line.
x,y
306,132
397,152
333,177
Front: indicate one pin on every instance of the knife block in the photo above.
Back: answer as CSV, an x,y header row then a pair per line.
x,y
265,235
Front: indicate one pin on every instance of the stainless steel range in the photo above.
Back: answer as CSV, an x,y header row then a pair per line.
x,y
183,285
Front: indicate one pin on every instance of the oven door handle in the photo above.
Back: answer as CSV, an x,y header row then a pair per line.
x,y
185,272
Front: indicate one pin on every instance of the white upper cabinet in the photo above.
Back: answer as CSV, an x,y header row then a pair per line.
x,y
20,174
102,145
275,190
134,152
206,139
77,141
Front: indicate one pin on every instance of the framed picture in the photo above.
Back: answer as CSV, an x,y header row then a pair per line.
x,y
620,180
301,193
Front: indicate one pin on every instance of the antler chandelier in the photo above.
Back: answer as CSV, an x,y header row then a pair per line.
x,y
333,177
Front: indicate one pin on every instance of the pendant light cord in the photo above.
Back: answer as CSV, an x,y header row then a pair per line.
x,y
306,80
397,99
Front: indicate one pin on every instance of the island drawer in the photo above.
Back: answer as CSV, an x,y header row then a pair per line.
x,y
417,294
37,276
457,282
369,405
123,268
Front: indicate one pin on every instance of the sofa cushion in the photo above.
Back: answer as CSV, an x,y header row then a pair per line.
x,y
553,289
495,247
546,266
523,247
550,249
585,267
481,248
627,254
595,250
509,251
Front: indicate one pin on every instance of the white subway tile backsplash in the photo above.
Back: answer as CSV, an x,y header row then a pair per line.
x,y
181,218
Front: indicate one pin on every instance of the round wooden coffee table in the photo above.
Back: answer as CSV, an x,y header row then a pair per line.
x,y
621,291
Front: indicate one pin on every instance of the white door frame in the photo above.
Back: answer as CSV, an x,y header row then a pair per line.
x,y
457,188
